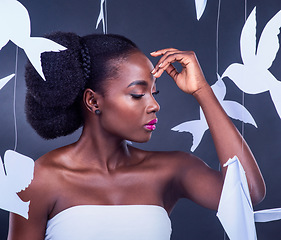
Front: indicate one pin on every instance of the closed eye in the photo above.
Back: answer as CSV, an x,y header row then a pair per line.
x,y
137,96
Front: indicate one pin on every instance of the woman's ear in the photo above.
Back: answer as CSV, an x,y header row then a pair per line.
x,y
90,100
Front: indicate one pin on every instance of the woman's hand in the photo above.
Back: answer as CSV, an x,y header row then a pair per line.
x,y
190,79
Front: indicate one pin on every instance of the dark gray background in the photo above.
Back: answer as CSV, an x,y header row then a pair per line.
x,y
155,24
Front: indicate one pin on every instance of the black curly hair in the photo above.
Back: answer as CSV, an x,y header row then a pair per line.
x,y
53,107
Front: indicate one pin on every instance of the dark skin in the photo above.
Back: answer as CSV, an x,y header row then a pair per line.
x,y
100,169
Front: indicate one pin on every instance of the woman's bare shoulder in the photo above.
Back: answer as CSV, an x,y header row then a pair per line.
x,y
52,158
177,159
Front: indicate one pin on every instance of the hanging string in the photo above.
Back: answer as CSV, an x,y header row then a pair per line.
x,y
217,44
243,94
105,13
217,69
217,37
14,103
245,10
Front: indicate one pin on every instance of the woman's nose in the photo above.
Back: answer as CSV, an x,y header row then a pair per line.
x,y
153,105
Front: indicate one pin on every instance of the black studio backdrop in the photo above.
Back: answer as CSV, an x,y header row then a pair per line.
x,y
153,25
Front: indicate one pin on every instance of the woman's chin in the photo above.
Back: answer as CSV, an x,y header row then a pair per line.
x,y
140,140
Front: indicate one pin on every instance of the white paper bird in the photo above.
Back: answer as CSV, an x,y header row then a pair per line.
x,y
233,109
15,26
253,76
235,210
16,173
200,8
101,17
5,80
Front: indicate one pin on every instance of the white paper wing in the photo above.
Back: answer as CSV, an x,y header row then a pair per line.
x,y
19,25
219,88
269,42
248,39
19,169
237,111
14,22
200,7
5,80
35,46
8,10
268,215
196,127
4,30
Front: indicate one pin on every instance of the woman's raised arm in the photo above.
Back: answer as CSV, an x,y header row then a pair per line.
x,y
227,139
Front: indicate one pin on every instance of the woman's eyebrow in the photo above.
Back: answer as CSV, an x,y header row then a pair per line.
x,y
138,82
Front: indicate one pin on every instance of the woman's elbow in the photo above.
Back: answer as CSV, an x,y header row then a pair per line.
x,y
258,193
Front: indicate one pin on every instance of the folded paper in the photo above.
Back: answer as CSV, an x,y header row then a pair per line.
x,y
253,76
15,26
16,173
233,109
235,210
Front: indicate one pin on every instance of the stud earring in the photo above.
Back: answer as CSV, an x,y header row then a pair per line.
x,y
97,112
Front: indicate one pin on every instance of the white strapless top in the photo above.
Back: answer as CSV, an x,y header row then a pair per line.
x,y
110,222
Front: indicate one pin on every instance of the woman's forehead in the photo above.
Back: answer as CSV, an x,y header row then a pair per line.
x,y
136,67
134,70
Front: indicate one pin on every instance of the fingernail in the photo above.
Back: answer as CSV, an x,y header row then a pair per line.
x,y
153,52
153,71
160,64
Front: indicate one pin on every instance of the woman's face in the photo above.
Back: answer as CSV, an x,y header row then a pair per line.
x,y
128,106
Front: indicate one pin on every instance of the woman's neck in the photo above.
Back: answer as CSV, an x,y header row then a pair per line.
x,y
106,152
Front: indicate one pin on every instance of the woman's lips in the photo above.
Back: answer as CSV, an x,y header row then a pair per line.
x,y
152,122
151,125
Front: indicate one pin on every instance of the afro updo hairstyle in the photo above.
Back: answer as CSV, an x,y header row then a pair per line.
x,y
53,107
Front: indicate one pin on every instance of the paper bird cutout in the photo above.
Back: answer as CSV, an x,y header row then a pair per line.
x,y
233,109
15,26
235,210
200,7
101,16
253,76
5,80
16,173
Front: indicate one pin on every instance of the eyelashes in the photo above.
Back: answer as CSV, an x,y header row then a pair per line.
x,y
155,93
139,96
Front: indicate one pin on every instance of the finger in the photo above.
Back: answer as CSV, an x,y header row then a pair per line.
x,y
167,65
166,53
162,51
170,70
184,58
166,61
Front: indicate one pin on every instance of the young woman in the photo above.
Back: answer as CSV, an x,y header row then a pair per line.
x,y
99,187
